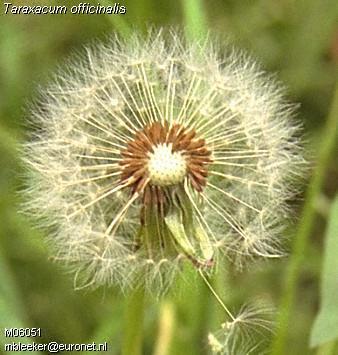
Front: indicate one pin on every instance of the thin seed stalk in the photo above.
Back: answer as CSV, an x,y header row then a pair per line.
x,y
304,229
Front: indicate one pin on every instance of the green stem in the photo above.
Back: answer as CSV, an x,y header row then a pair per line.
x,y
133,323
304,229
195,21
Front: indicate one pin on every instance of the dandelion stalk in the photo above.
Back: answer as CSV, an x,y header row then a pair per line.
x,y
305,226
133,323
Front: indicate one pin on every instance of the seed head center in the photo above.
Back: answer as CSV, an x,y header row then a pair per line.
x,y
165,167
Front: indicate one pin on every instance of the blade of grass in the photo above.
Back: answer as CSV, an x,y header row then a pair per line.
x,y
325,327
304,229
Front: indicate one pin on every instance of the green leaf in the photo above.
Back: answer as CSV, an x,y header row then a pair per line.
x,y
325,327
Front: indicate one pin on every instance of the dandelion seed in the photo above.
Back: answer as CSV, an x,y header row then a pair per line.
x,y
152,152
244,334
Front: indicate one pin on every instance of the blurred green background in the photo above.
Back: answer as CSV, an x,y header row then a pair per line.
x,y
296,39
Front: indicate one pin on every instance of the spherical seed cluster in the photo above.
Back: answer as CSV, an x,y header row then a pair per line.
x,y
165,166
118,212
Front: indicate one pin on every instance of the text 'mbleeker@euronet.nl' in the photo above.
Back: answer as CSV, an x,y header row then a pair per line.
x,y
51,347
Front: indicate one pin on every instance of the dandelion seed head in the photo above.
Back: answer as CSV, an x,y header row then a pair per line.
x,y
151,152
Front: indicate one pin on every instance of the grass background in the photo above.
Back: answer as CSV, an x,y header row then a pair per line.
x,y
296,39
